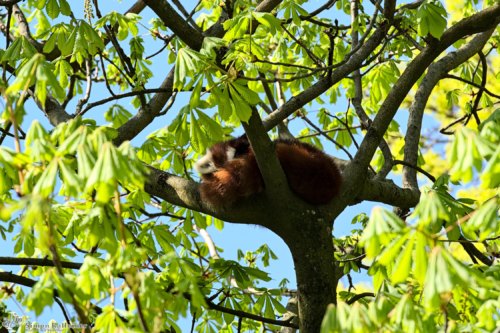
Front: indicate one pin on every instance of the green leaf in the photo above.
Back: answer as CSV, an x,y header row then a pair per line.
x,y
47,181
380,230
52,8
236,27
403,262
41,295
117,115
421,258
65,8
198,139
485,220
186,65
164,238
212,129
268,20
431,19
431,211
91,281
36,132
72,184
25,76
194,100
109,320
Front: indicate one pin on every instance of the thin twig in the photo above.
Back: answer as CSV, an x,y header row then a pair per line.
x,y
359,296
86,97
319,130
484,77
120,96
252,316
419,169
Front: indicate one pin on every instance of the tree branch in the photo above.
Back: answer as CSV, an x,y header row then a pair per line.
x,y
252,316
387,192
37,262
270,168
357,297
27,282
146,115
479,22
182,192
435,73
192,37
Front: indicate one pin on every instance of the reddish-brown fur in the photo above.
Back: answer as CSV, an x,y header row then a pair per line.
x,y
311,174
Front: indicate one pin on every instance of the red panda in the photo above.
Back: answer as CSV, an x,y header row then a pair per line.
x,y
229,172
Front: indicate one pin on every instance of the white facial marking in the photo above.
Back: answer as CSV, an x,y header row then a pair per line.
x,y
205,164
230,153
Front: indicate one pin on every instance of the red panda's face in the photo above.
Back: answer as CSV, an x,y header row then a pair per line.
x,y
214,159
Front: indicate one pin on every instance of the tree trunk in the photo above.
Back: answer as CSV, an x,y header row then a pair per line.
x,y
312,251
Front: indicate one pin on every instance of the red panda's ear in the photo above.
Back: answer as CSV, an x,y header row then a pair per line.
x,y
241,146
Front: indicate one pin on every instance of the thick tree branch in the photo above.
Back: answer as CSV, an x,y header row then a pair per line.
x,y
17,279
146,115
24,29
387,192
436,72
358,96
270,168
53,110
479,22
267,5
184,193
192,37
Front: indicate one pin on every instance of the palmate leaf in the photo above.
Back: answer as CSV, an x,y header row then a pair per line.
x,y
21,48
268,20
380,231
242,99
198,138
431,211
36,132
117,115
467,153
47,181
212,128
72,184
42,294
237,27
243,275
293,10
186,65
25,75
431,19
165,238
444,274
109,320
485,220
52,8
